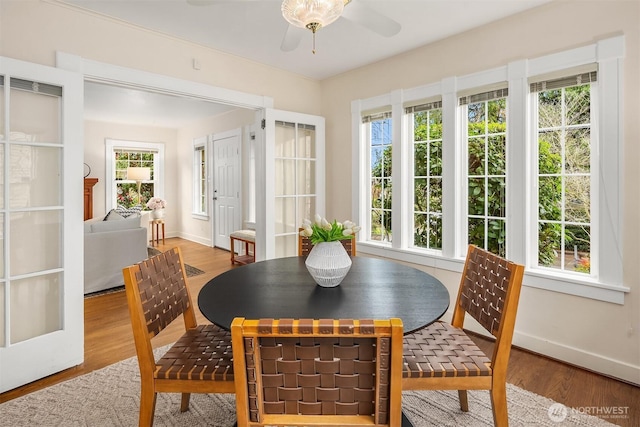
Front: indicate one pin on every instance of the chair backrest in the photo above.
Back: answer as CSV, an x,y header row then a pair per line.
x,y
305,245
157,294
489,291
312,372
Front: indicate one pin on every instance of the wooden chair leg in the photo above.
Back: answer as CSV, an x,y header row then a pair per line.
x,y
464,401
147,406
233,252
184,402
499,405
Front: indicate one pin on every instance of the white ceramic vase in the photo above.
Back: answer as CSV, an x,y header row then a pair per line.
x,y
157,213
328,263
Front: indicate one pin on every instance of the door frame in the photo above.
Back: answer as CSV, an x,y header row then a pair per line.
x,y
116,75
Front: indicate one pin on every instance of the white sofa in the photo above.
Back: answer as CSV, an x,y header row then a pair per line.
x,y
109,246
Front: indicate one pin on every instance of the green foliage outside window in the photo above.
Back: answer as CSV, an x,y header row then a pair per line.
x,y
127,192
381,182
564,188
428,179
491,174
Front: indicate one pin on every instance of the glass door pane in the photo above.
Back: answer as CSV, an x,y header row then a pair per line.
x,y
35,221
295,177
290,180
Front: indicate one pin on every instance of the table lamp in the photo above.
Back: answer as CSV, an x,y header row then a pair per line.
x,y
138,175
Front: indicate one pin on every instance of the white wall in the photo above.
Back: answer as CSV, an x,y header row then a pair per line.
x,y
193,228
95,134
597,335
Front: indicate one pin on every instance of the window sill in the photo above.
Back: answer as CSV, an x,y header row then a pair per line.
x,y
586,288
202,217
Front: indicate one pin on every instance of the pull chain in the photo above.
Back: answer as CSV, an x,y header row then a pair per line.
x,y
313,26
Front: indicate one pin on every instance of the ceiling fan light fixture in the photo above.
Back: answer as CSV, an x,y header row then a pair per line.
x,y
312,14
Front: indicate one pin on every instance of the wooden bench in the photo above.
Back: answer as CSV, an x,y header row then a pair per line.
x,y
248,237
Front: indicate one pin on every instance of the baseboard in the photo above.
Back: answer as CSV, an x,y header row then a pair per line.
x,y
194,238
579,357
571,355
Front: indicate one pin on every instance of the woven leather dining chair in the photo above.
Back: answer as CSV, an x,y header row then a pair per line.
x,y
304,245
199,362
318,372
442,357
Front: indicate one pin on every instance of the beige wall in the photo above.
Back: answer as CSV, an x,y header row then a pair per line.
x,y
598,335
54,27
601,336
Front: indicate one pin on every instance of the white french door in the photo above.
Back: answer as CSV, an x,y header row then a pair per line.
x,y
227,212
290,180
41,211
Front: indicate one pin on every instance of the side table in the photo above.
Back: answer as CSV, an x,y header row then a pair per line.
x,y
156,226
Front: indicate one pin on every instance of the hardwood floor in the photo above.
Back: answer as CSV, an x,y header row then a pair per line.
x,y
108,339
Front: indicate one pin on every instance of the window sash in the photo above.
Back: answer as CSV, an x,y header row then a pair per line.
x,y
112,147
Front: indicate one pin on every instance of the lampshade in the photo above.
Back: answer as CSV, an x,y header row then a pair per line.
x,y
312,14
139,174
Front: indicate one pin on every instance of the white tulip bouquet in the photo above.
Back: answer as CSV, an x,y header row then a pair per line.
x,y
322,230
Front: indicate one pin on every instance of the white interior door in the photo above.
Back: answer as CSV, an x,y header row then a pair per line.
x,y
41,210
227,211
290,182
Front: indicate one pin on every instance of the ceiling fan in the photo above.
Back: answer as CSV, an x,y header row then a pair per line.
x,y
316,14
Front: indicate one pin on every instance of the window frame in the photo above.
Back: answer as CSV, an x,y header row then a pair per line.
x,y
594,207
485,217
158,168
368,226
521,207
200,149
432,105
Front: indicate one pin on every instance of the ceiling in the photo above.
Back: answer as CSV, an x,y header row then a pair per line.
x,y
255,29
115,104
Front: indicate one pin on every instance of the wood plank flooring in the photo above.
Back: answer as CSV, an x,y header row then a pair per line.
x,y
108,339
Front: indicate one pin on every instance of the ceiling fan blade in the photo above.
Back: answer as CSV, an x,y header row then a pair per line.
x,y
292,38
362,14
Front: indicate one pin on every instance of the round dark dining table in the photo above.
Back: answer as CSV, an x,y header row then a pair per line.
x,y
283,288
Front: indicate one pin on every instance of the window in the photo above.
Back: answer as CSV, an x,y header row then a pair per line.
x,y
426,120
126,189
123,154
486,115
200,172
522,160
564,135
380,139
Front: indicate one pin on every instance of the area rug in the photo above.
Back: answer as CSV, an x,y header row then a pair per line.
x,y
110,396
190,270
